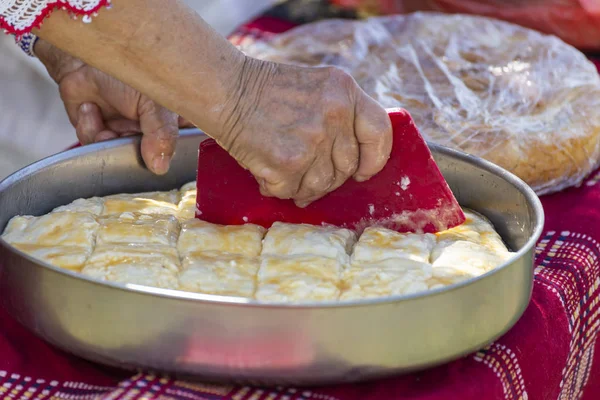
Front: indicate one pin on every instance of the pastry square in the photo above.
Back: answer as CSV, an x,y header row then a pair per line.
x,y
112,254
400,264
93,205
219,273
198,236
130,228
67,257
188,188
446,276
285,239
380,281
148,265
299,278
475,229
465,258
151,275
54,229
493,242
186,209
478,222
377,244
144,203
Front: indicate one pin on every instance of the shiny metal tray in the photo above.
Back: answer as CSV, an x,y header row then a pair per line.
x,y
224,338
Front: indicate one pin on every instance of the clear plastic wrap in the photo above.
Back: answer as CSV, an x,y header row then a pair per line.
x,y
523,100
575,21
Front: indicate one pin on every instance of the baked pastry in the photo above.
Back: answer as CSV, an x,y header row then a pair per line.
x,y
200,236
132,228
144,203
298,278
93,205
151,243
388,263
219,273
64,239
186,209
464,258
147,265
377,244
403,277
467,251
54,229
188,189
302,239
68,257
521,99
476,229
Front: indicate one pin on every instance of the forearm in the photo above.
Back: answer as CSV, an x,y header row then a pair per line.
x,y
164,50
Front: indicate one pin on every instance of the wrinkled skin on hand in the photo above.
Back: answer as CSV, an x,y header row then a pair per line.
x,y
101,107
303,132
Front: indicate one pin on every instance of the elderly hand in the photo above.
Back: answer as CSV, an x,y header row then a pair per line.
x,y
303,132
101,108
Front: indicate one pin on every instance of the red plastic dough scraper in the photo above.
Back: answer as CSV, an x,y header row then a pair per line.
x,y
408,195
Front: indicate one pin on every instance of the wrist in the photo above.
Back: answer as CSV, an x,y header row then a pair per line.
x,y
41,50
57,62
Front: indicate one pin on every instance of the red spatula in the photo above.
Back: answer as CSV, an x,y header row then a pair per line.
x,y
408,195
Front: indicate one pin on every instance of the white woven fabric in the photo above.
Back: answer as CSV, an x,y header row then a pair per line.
x,y
22,15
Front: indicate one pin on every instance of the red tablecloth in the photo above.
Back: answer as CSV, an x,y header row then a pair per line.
x,y
549,354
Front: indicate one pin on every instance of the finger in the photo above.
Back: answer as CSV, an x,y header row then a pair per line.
x,y
274,182
262,184
317,181
340,159
128,134
343,164
373,131
70,89
89,123
184,123
105,135
123,125
160,131
345,150
278,163
345,156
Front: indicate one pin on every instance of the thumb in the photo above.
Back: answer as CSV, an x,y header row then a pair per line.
x,y
160,131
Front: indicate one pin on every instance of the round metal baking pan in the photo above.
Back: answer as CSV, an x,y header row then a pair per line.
x,y
232,339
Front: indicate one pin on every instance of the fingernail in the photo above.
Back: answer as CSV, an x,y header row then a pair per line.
x,y
85,108
161,163
361,178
